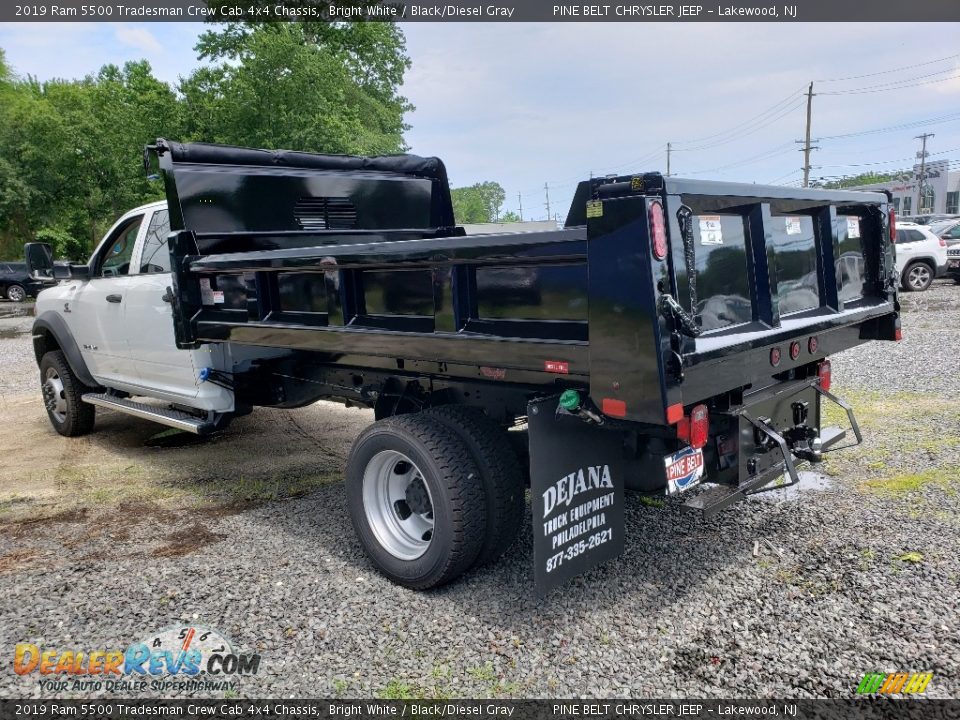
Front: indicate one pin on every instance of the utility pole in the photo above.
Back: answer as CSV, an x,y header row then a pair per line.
x,y
546,189
520,202
806,141
669,147
923,170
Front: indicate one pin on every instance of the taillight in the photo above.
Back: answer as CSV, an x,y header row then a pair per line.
x,y
823,374
893,225
794,350
812,345
943,243
699,426
658,230
775,356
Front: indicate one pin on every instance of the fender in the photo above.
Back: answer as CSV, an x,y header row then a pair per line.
x,y
50,322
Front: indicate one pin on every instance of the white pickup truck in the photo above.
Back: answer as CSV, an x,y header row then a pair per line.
x,y
83,339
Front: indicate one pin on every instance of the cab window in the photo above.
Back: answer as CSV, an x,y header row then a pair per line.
x,y
116,253
155,257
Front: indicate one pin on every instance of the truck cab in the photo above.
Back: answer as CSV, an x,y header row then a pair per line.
x,y
124,285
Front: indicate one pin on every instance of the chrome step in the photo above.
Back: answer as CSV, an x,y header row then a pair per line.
x,y
165,416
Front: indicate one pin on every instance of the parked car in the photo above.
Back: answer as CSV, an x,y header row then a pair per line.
x,y
928,218
948,230
16,284
921,256
953,263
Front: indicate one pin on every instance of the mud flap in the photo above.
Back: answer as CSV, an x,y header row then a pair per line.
x,y
576,485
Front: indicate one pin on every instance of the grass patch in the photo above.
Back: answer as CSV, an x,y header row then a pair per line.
x,y
910,557
650,501
907,483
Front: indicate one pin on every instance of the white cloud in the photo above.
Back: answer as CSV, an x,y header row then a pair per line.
x,y
139,38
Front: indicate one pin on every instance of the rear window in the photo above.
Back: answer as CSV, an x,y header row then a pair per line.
x,y
909,236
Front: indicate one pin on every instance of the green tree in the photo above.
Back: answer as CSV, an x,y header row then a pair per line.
x,y
867,178
294,86
509,217
478,203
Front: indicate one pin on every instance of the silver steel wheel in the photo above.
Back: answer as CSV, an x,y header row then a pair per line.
x,y
398,505
15,293
53,395
919,277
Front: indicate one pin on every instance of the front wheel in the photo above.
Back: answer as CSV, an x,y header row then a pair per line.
x,y
416,500
62,392
16,293
917,277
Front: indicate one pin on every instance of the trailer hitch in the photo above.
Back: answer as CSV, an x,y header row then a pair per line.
x,y
801,440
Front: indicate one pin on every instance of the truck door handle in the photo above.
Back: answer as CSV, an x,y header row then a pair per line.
x,y
114,298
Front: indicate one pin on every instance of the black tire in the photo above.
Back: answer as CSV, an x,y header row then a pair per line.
x,y
500,472
16,293
917,267
456,495
77,417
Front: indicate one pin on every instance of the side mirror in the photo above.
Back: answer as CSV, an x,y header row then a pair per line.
x,y
39,257
71,272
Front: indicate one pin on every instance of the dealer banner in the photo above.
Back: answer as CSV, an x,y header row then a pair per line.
x,y
576,484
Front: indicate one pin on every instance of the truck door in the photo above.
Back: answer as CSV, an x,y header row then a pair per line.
x,y
96,308
149,317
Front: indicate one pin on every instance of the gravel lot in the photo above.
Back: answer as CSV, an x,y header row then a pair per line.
x,y
113,536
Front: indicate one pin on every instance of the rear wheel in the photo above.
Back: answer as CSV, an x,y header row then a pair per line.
x,y
416,500
917,277
68,414
500,471
16,293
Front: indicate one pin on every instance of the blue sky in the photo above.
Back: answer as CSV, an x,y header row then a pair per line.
x,y
525,104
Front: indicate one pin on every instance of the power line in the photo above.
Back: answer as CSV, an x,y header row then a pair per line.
x,y
773,108
894,86
905,126
744,133
891,70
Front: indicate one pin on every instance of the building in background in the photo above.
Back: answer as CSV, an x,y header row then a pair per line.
x,y
941,190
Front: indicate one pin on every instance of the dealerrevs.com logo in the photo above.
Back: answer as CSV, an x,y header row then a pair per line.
x,y
184,657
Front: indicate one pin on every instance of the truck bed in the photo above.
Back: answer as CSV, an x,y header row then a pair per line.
x,y
748,269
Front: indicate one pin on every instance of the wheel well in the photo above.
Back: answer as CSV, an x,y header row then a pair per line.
x,y
929,262
44,342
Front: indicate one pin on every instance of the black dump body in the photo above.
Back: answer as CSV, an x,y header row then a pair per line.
x,y
356,267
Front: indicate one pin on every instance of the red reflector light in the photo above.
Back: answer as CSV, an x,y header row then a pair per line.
x,y
556,366
794,350
699,426
898,334
775,356
824,375
613,407
813,344
674,414
658,230
893,225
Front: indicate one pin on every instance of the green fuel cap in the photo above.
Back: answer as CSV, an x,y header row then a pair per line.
x,y
570,400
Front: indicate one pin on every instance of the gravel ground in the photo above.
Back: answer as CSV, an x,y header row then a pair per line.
x,y
797,593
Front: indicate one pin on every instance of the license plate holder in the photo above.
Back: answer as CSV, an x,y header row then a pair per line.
x,y
684,470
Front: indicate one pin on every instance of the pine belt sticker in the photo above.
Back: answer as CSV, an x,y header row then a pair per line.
x,y
793,226
853,227
206,292
594,209
710,231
